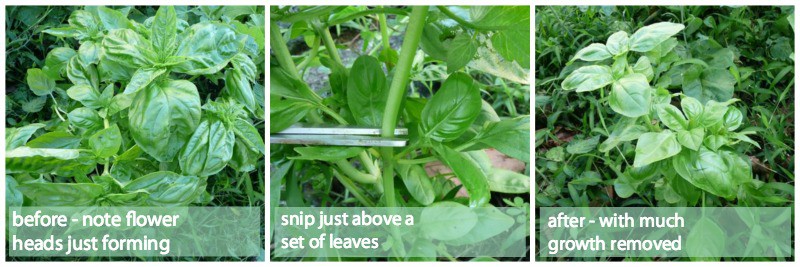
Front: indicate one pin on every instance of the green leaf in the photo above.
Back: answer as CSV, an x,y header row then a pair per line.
x,y
720,173
617,43
84,22
239,87
326,153
733,119
461,51
106,142
672,117
113,19
644,67
653,147
491,222
367,89
431,43
706,241
417,182
715,141
744,138
142,78
470,175
89,52
691,107
85,118
451,111
555,154
284,113
168,188
249,135
593,52
85,94
509,182
56,61
208,47
128,48
17,137
514,45
62,194
208,150
163,116
630,96
80,73
244,159
623,131
708,84
164,31
500,16
39,82
588,78
582,146
14,197
57,139
692,139
64,162
650,36
510,137
447,220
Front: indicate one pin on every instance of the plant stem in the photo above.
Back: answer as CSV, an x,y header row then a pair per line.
x,y
327,39
384,32
348,184
396,94
354,173
417,161
281,51
396,11
312,54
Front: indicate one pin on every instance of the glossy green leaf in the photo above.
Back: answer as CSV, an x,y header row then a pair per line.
x,y
163,116
470,175
142,78
691,139
431,44
128,48
720,173
286,112
208,150
510,137
622,132
168,188
57,139
62,194
708,84
491,222
513,44
89,52
500,16
240,88
65,162
207,47
56,61
644,67
653,147
85,118
17,137
650,36
617,43
112,19
106,142
367,89
244,159
451,111
39,82
417,182
672,117
715,141
588,78
447,220
583,146
249,135
460,51
164,31
85,94
691,107
630,96
593,52
509,182
732,119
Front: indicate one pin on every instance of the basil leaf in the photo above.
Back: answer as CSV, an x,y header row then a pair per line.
x,y
692,139
367,89
286,112
588,78
630,96
89,52
39,82
720,173
470,175
511,137
142,78
417,182
491,222
56,61
672,117
112,19
326,153
62,194
708,84
582,146
85,94
617,43
451,111
593,52
431,43
106,142
732,119
208,150
240,89
63,162
691,107
85,118
16,137
461,51
513,44
650,36
164,31
208,47
168,188
653,147
509,182
128,48
244,159
57,139
447,220
706,240
79,72
163,116
644,67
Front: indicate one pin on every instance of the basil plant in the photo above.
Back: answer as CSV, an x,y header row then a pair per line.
x,y
678,108
145,110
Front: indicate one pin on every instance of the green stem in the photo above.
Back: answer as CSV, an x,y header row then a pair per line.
x,y
327,39
396,11
384,31
281,51
354,173
396,94
366,160
311,55
348,184
417,161
465,23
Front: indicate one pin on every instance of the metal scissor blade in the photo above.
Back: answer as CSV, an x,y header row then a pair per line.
x,y
336,140
337,130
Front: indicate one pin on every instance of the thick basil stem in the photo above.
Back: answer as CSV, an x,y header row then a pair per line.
x,y
281,51
397,91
